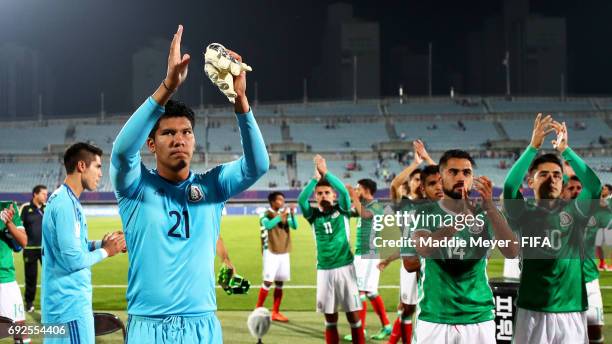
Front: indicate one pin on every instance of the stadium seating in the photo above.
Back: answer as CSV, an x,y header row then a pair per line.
x,y
449,134
102,135
602,166
360,136
339,168
490,168
21,177
325,128
30,139
337,109
535,106
434,108
228,135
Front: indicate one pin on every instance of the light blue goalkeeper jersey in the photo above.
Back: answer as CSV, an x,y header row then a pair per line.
x,y
67,259
171,229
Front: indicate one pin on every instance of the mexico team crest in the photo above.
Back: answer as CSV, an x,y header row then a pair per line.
x,y
565,219
476,229
195,193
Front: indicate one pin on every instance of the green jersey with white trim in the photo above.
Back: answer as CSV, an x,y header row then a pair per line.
x,y
7,265
454,287
365,234
559,278
552,276
601,219
332,230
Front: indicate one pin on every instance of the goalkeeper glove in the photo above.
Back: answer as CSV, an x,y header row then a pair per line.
x,y
220,67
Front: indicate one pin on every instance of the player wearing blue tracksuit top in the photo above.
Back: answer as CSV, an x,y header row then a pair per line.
x,y
171,215
68,253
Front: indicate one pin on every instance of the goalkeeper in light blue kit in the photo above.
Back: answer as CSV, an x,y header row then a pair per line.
x,y
171,215
68,254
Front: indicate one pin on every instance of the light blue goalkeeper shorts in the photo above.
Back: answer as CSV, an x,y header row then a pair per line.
x,y
80,331
174,329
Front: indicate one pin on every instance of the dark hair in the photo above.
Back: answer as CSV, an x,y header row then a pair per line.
x,y
272,196
544,158
575,178
609,187
455,154
80,151
172,109
368,184
322,182
429,170
38,188
416,170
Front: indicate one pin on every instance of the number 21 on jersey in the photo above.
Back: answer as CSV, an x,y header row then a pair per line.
x,y
174,232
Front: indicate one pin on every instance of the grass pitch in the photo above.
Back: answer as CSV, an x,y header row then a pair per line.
x,y
241,236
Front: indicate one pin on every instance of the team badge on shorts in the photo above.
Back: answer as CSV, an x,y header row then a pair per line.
x,y
565,219
195,193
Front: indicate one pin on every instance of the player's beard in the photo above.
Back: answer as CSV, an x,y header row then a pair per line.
x,y
325,204
452,193
545,190
180,165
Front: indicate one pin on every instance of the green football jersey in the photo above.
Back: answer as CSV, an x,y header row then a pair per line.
x,y
365,234
552,276
601,219
331,228
7,265
454,287
332,232
555,268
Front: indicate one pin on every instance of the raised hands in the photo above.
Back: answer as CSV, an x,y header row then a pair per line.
x,y
177,64
352,192
484,186
541,128
417,157
320,165
420,153
560,143
7,214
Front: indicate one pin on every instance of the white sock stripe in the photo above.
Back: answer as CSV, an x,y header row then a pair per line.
x,y
263,286
329,324
356,325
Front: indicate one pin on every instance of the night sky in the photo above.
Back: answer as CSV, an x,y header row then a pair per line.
x,y
88,45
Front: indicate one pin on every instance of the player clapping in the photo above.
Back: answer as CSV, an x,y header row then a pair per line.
x,y
552,295
336,280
